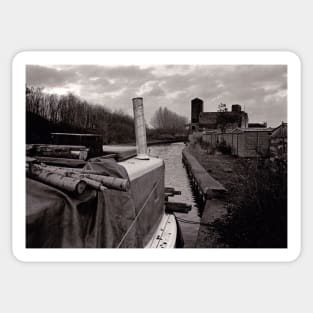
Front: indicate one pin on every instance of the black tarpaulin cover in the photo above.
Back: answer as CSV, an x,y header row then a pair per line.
x,y
95,219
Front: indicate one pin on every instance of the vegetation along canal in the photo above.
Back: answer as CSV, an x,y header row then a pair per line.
x,y
176,177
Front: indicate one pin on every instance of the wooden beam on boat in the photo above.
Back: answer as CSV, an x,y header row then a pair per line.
x,y
105,156
92,183
62,161
62,151
170,192
178,207
69,184
110,182
92,178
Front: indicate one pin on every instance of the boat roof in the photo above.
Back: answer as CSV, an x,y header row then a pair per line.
x,y
136,167
122,152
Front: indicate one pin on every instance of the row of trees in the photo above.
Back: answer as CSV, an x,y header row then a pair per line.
x,y
74,113
169,121
51,112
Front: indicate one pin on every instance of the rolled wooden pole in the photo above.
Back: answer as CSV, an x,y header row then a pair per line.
x,y
93,184
110,182
121,184
70,184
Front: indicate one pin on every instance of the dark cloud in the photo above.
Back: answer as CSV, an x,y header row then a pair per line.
x,y
260,89
49,77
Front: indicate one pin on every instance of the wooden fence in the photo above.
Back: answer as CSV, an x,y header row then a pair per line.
x,y
243,142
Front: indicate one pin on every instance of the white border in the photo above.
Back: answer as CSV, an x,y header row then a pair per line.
x,y
156,255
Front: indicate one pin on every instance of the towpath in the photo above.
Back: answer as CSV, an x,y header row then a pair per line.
x,y
229,172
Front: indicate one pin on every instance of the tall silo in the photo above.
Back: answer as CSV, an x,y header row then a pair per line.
x,y
236,108
196,109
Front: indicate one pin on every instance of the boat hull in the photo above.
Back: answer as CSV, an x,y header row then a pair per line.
x,y
158,229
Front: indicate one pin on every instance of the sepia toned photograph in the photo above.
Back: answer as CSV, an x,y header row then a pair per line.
x,y
124,154
156,156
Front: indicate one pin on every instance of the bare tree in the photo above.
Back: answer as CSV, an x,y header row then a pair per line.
x,y
165,119
77,114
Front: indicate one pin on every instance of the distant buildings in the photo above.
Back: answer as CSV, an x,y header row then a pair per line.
x,y
243,142
231,128
236,118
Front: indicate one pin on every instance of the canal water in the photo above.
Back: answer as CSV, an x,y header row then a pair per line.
x,y
176,176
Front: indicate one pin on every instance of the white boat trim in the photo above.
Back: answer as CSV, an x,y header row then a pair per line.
x,y
165,235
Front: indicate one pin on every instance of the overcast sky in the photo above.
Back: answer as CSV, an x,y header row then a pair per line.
x,y
260,89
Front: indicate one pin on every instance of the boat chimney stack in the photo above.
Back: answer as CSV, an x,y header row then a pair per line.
x,y
140,129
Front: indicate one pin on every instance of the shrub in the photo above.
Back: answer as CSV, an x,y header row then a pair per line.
x,y
223,148
257,216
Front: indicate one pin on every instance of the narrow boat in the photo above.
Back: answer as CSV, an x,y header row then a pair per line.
x,y
113,200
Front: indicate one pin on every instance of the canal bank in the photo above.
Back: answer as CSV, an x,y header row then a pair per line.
x,y
211,194
203,192
254,213
208,182
176,177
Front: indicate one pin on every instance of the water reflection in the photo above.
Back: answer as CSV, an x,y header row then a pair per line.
x,y
176,176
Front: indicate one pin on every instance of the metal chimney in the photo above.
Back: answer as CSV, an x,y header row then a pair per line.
x,y
140,129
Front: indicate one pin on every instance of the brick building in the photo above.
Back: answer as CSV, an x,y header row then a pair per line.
x,y
236,118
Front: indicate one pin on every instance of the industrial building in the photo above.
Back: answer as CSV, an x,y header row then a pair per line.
x,y
236,118
232,128
196,110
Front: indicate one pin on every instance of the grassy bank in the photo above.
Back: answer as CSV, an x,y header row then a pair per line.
x,y
256,203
